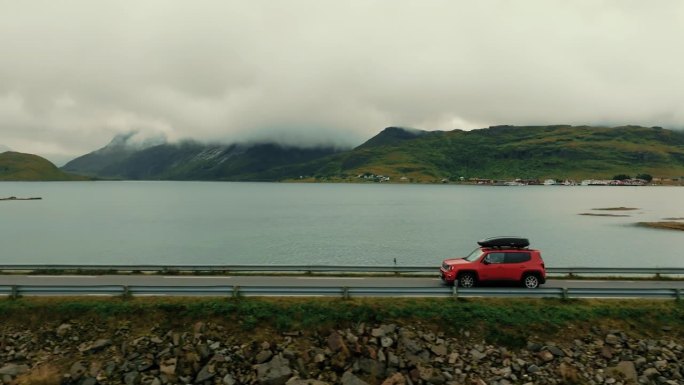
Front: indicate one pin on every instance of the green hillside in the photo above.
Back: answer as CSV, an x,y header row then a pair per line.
x,y
15,166
508,152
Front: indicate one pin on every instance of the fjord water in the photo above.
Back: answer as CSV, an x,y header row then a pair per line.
x,y
345,224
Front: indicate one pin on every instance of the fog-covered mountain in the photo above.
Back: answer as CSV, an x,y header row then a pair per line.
x,y
191,160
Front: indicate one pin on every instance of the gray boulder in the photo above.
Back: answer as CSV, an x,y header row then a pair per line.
x,y
62,330
96,346
228,379
132,378
299,381
275,372
13,370
77,370
349,379
372,367
624,370
263,356
206,373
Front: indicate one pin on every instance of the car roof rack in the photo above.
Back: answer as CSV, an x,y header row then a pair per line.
x,y
505,242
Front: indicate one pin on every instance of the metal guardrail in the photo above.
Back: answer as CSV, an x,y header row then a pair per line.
x,y
616,270
344,292
320,269
224,268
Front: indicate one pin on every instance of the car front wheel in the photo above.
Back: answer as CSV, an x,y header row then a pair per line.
x,y
531,281
466,280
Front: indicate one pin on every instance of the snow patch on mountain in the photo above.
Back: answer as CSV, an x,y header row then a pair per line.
x,y
133,141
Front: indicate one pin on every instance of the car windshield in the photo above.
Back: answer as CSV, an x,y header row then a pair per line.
x,y
474,255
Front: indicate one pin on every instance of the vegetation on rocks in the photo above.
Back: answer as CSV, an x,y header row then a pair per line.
x,y
331,341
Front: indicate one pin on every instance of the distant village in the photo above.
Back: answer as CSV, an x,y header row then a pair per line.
x,y
566,182
645,180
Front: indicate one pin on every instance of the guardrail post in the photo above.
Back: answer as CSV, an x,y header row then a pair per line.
x,y
126,292
236,291
564,293
15,292
345,293
454,291
678,294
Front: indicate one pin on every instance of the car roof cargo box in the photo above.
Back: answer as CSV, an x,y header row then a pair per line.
x,y
515,242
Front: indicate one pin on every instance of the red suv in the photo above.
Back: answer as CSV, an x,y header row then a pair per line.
x,y
497,259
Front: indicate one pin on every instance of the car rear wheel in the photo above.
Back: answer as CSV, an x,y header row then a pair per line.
x,y
531,281
466,280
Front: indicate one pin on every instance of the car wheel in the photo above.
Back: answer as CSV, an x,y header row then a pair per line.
x,y
466,280
531,281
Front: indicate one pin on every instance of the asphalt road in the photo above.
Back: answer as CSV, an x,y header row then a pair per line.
x,y
291,281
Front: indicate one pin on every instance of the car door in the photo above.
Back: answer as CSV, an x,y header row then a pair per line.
x,y
515,263
491,268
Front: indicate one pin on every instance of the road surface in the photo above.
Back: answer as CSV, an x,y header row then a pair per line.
x,y
299,281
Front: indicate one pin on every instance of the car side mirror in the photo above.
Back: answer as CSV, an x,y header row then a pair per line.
x,y
486,260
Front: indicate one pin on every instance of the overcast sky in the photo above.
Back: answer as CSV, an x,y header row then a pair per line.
x,y
75,73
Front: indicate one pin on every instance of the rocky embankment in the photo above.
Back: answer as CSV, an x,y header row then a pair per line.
x,y
206,353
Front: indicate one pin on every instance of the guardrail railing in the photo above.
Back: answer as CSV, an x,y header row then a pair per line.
x,y
344,292
319,269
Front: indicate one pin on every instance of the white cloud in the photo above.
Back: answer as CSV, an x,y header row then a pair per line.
x,y
76,73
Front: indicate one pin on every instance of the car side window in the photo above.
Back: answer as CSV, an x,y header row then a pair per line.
x,y
495,257
517,257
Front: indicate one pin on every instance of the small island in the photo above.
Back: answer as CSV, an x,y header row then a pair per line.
x,y
604,215
667,225
621,208
20,199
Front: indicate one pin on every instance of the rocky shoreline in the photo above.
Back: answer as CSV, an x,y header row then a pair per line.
x,y
211,352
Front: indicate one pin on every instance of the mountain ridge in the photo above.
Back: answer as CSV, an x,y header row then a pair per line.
x,y
499,152
190,160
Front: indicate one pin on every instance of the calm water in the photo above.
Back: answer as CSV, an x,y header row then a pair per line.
x,y
271,223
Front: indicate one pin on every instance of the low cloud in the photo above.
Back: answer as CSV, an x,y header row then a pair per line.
x,y
75,74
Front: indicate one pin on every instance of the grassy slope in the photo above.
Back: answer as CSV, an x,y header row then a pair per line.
x,y
15,166
508,321
515,152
